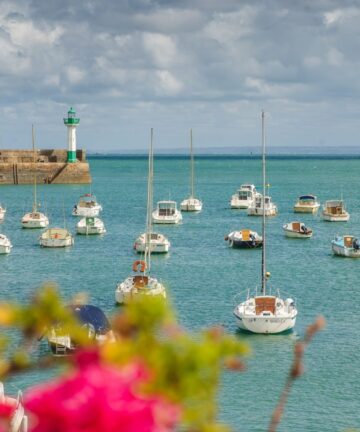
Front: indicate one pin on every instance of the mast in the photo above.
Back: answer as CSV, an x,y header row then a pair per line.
x,y
263,255
149,205
192,166
34,167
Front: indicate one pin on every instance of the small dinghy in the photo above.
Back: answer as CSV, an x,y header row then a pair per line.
x,y
297,230
91,318
244,239
56,237
5,244
90,226
346,246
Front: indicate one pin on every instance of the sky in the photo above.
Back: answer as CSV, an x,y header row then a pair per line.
x,y
130,65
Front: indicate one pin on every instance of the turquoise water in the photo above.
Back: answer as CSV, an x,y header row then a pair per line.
x,y
203,275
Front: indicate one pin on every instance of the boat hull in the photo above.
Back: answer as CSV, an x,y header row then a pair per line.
x,y
241,244
30,222
335,218
87,212
258,211
154,247
266,325
298,235
306,209
240,204
5,249
345,251
56,243
168,220
191,206
126,291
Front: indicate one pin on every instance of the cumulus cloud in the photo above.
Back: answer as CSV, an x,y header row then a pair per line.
x,y
205,62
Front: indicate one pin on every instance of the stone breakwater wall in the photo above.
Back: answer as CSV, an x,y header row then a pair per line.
x,y
17,167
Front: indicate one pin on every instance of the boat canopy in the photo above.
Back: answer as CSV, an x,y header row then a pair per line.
x,y
307,197
89,314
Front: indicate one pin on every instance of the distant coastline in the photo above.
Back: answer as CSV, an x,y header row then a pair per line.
x,y
346,152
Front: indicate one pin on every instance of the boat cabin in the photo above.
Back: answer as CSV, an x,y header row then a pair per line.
x,y
334,207
244,194
166,208
140,281
259,199
245,235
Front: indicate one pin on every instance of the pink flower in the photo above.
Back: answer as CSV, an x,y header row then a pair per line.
x,y
7,408
99,398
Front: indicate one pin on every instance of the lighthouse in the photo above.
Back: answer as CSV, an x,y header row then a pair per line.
x,y
71,123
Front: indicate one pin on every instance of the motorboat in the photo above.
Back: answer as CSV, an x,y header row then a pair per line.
x,y
191,204
244,197
19,419
5,244
334,211
2,213
93,321
265,313
35,218
90,226
158,243
307,204
87,206
297,230
346,246
141,283
244,239
166,212
258,207
56,238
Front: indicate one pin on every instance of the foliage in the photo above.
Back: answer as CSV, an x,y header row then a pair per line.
x,y
176,369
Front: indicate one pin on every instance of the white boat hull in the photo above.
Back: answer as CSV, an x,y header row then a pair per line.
x,y
159,245
56,243
87,211
268,325
345,251
2,214
174,219
56,238
34,221
235,203
294,234
191,205
5,245
95,228
335,218
306,209
253,211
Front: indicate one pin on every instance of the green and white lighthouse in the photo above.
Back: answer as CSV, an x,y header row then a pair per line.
x,y
71,123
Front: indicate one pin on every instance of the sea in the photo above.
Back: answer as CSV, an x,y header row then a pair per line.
x,y
205,278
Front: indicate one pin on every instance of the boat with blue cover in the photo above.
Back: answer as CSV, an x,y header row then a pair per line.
x,y
92,319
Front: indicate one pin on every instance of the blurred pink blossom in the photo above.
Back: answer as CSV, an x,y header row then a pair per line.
x,y
7,408
99,398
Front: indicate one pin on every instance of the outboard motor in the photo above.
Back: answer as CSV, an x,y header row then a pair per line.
x,y
356,244
304,229
252,238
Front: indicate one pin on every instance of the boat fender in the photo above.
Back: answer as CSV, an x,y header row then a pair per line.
x,y
138,263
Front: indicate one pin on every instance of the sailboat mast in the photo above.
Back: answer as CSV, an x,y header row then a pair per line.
x,y
34,167
192,165
263,260
149,205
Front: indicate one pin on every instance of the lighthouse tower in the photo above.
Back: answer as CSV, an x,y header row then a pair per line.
x,y
71,123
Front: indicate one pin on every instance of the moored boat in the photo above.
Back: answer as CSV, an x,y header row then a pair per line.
x,y
5,244
191,204
91,318
346,246
297,230
265,313
2,213
334,211
90,226
166,212
244,239
35,218
56,238
158,243
258,207
87,206
244,197
307,204
141,283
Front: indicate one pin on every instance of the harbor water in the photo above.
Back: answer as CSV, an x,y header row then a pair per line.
x,y
204,276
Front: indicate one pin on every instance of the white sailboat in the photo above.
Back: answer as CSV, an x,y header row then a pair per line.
x,y
265,313
34,219
141,283
90,226
191,204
